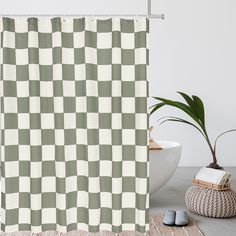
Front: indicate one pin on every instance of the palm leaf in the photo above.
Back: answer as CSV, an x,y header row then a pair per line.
x,y
152,106
190,102
176,119
200,109
185,108
156,107
188,99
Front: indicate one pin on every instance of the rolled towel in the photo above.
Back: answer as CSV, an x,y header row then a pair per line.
x,y
213,176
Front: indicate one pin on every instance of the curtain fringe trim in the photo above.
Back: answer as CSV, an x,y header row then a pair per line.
x,y
75,233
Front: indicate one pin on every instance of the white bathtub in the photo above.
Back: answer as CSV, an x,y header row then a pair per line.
x,y
163,163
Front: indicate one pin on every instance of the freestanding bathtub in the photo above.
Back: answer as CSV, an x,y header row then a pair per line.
x,y
163,163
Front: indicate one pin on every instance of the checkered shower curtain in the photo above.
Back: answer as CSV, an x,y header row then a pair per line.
x,y
74,124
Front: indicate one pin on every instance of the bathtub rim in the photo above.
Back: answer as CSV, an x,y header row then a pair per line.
x,y
166,145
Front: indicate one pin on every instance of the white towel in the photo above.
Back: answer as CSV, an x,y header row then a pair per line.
x,y
213,176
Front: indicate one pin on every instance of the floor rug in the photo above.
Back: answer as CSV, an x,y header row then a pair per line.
x,y
156,229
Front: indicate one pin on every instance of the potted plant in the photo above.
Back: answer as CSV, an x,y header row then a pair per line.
x,y
194,108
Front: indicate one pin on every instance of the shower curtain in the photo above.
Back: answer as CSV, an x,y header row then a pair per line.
x,y
74,124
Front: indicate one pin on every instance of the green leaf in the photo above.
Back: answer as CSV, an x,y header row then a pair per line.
x,y
180,106
176,119
188,99
152,106
156,107
190,102
200,109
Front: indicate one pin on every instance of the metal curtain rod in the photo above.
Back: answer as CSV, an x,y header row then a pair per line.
x,y
152,16
148,15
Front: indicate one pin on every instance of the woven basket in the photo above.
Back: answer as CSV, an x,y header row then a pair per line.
x,y
211,203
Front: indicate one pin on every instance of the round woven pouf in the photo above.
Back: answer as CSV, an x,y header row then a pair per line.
x,y
211,203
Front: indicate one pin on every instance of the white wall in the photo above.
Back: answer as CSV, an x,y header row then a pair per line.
x,y
192,50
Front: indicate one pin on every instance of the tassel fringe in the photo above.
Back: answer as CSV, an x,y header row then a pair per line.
x,y
75,233
155,223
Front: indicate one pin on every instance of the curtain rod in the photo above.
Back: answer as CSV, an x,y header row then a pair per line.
x,y
150,16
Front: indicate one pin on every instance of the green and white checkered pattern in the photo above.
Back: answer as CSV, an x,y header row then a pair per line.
x,y
74,124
